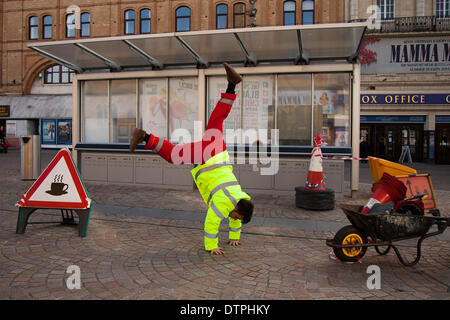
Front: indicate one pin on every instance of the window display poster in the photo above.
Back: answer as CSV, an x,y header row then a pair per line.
x,y
217,86
48,131
64,135
153,106
258,95
183,104
11,129
327,99
341,137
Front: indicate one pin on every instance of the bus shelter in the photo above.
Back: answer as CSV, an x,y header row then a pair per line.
x,y
298,81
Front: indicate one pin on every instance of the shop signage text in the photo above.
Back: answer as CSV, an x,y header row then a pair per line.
x,y
4,111
405,55
405,99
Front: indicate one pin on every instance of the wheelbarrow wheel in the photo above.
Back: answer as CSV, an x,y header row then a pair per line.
x,y
350,235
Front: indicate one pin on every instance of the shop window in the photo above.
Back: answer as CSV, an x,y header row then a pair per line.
x,y
58,75
183,19
217,86
123,110
289,13
332,108
258,108
253,110
33,25
294,110
153,106
85,24
70,26
308,12
386,9
145,21
239,15
443,8
95,111
183,102
129,21
221,16
47,27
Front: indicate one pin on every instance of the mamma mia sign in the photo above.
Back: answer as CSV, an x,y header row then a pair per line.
x,y
405,55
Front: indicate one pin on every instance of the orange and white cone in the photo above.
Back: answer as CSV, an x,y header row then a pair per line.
x,y
387,189
315,181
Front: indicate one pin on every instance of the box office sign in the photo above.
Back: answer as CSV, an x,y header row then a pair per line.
x,y
4,111
405,55
410,98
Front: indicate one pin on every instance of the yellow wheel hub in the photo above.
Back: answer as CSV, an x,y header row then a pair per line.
x,y
352,238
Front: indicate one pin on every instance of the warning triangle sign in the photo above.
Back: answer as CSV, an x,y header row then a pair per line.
x,y
58,187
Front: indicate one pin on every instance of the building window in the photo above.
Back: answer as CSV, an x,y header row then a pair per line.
x,y
442,8
85,24
239,15
289,13
145,23
386,9
33,27
129,21
58,75
70,26
308,12
222,16
183,19
47,27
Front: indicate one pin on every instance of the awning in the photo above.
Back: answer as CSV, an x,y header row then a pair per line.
x,y
298,44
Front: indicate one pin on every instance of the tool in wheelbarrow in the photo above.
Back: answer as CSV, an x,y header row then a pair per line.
x,y
406,220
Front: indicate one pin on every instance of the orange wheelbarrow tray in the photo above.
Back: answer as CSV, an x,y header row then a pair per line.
x,y
380,230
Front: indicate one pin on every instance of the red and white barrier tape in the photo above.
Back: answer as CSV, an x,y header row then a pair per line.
x,y
347,158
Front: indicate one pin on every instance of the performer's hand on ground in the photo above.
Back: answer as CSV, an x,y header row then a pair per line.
x,y
234,243
217,250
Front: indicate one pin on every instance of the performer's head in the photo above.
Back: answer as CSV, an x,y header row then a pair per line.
x,y
243,211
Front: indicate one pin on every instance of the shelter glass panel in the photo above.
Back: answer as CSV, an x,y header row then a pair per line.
x,y
95,114
332,108
153,106
217,86
294,111
183,111
258,106
123,110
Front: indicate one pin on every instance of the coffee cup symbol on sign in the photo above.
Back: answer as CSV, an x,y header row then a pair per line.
x,y
57,187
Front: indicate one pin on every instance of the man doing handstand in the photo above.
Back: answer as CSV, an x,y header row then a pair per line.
x,y
214,178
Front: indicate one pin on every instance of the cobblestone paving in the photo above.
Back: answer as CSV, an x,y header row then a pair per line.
x,y
139,257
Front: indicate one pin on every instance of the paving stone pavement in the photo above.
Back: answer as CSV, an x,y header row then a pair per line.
x,y
146,243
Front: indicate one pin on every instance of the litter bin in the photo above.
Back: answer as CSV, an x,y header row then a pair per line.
x,y
30,157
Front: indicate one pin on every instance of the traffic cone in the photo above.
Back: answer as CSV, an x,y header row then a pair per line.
x,y
387,189
315,181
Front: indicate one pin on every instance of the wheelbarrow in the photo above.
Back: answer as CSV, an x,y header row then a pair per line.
x,y
382,230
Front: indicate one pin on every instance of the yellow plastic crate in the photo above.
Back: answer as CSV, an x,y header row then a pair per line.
x,y
379,166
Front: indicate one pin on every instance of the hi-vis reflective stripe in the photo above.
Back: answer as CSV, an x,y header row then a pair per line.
x,y
227,101
217,211
211,235
214,166
159,145
235,230
227,193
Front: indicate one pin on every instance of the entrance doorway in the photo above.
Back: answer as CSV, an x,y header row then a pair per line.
x,y
442,143
386,140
